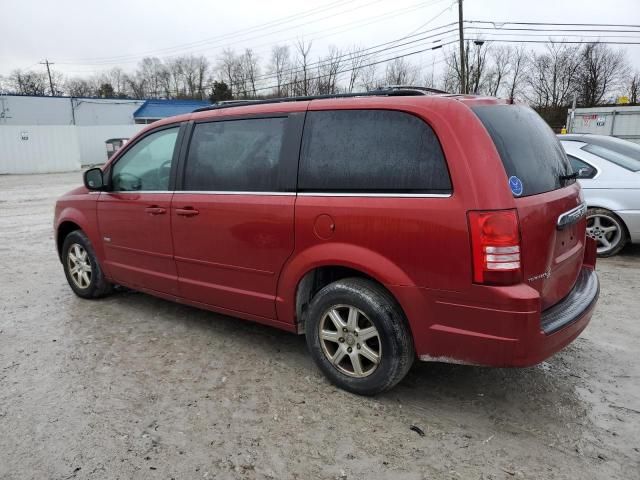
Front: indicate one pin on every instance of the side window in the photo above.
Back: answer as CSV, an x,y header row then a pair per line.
x,y
375,151
147,165
235,155
586,170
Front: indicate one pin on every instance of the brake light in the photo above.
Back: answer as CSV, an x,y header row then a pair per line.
x,y
495,244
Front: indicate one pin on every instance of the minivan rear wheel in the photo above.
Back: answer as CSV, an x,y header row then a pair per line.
x,y
358,336
607,230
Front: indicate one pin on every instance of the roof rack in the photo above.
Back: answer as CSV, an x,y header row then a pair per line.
x,y
389,91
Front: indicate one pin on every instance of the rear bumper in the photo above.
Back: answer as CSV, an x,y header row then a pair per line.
x,y
508,331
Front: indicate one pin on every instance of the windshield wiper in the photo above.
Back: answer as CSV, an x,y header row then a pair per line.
x,y
570,176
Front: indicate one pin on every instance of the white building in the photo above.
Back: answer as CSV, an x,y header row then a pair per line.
x,y
41,134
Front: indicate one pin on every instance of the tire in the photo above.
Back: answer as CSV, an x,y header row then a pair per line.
x,y
97,285
359,304
608,230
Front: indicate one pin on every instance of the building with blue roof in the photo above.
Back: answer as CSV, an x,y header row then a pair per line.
x,y
153,110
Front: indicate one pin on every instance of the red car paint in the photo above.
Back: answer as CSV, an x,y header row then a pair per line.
x,y
245,255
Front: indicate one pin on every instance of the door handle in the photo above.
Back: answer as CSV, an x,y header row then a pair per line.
x,y
187,211
155,210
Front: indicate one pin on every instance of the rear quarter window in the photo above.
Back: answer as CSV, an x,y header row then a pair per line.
x,y
528,148
371,151
621,159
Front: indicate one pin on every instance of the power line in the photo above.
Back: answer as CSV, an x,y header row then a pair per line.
x,y
262,26
529,29
361,52
134,57
552,41
494,23
362,22
548,35
271,87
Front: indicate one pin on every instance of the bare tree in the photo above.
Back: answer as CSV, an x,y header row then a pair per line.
x,y
301,80
328,69
369,75
250,70
117,78
80,87
553,75
28,82
136,86
634,87
228,69
476,79
149,77
474,73
356,60
601,70
400,72
192,72
172,78
280,66
501,63
519,62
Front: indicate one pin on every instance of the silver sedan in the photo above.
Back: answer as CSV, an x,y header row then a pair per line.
x,y
609,172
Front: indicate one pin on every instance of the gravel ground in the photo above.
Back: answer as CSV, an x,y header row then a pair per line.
x,y
136,387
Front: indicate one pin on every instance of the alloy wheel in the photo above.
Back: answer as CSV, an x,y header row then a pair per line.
x,y
350,341
605,230
79,266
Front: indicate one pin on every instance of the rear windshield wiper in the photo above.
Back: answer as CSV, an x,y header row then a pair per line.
x,y
570,176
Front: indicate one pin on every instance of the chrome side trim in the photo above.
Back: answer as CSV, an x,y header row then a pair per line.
x,y
287,194
137,192
572,216
224,192
383,195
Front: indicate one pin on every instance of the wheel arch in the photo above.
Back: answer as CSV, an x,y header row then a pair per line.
x,y
72,218
64,229
311,270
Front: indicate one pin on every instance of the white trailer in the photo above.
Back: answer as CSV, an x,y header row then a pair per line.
x,y
618,121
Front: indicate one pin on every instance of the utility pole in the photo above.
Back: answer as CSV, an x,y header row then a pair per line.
x,y
47,63
463,87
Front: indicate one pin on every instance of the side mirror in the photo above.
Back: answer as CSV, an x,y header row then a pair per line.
x,y
93,179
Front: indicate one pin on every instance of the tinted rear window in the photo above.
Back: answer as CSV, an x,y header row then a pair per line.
x,y
235,155
527,146
377,151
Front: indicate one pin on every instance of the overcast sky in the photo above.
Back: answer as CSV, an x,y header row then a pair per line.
x,y
84,36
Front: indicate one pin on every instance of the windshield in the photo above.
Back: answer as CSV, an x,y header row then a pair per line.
x,y
626,156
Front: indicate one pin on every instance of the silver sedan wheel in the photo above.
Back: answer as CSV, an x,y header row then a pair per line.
x,y
79,266
605,230
350,341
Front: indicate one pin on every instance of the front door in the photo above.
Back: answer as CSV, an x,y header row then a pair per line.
x,y
233,220
134,216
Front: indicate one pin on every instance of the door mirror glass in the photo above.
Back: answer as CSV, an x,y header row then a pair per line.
x,y
93,179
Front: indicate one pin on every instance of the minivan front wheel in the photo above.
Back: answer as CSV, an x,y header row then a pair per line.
x,y
607,230
358,336
81,267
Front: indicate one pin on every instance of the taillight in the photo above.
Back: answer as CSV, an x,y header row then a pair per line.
x,y
495,244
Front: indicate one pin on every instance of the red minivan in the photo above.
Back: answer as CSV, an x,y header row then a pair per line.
x,y
384,226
